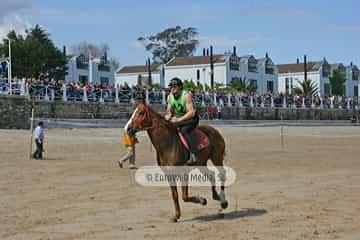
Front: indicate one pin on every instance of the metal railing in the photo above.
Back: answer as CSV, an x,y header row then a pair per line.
x,y
66,92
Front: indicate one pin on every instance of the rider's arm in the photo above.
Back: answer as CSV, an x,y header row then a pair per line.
x,y
190,108
168,113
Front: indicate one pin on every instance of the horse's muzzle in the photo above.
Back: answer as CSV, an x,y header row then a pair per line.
x,y
131,131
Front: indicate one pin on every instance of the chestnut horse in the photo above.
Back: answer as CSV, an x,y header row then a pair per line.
x,y
171,151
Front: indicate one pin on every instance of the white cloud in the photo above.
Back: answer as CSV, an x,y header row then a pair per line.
x,y
14,22
11,18
228,42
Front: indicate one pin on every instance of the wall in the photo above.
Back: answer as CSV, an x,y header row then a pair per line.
x,y
190,73
287,114
14,112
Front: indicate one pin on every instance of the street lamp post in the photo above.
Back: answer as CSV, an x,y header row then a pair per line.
x,y
9,68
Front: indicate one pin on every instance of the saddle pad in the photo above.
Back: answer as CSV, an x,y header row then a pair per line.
x,y
200,139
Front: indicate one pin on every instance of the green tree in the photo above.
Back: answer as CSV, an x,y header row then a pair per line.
x,y
307,88
35,55
171,42
241,85
17,49
337,81
219,86
189,85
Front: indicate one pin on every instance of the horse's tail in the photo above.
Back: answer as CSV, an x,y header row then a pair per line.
x,y
217,144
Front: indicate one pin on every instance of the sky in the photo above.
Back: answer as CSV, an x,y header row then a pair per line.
x,y
286,30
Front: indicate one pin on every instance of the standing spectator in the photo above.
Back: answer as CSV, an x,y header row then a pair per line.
x,y
39,141
219,109
212,111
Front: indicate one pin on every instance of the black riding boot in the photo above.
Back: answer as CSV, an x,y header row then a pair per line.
x,y
193,150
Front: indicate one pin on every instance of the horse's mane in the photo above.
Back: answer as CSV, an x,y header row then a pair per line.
x,y
162,120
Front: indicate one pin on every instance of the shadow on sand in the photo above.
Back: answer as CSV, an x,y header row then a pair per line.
x,y
244,212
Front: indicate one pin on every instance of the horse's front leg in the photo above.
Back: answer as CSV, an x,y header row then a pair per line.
x,y
193,199
176,203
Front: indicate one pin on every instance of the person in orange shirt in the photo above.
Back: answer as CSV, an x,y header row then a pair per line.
x,y
129,142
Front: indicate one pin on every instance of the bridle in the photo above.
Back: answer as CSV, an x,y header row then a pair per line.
x,y
140,120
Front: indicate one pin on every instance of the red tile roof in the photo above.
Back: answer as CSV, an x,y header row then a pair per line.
x,y
195,60
138,69
292,68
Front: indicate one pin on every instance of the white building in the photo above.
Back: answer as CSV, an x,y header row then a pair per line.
x,y
139,75
196,69
351,75
260,73
95,70
291,75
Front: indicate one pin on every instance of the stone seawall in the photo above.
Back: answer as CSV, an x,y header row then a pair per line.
x,y
287,114
15,112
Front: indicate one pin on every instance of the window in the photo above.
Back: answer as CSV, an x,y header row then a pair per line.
x,y
252,64
234,63
327,89
355,73
198,75
82,62
83,79
344,90
104,67
287,85
270,86
269,67
253,85
326,70
104,80
356,91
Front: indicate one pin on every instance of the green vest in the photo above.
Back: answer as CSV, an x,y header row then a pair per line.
x,y
179,105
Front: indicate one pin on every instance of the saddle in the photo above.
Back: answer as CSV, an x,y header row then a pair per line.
x,y
201,140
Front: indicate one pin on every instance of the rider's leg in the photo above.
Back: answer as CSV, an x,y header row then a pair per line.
x,y
186,131
186,127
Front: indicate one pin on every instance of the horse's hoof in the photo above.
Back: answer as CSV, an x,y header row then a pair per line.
x,y
173,219
204,202
224,204
120,164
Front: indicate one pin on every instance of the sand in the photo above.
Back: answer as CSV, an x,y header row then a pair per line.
x,y
308,190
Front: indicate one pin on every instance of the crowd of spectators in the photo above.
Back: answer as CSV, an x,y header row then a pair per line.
x,y
76,91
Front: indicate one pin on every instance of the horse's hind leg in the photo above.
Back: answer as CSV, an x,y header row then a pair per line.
x,y
222,177
211,176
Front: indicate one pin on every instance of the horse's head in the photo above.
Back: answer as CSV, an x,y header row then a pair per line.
x,y
140,119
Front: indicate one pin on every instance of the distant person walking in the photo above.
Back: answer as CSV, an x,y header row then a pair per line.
x,y
39,141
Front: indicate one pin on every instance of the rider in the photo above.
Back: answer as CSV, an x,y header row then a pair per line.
x,y
181,111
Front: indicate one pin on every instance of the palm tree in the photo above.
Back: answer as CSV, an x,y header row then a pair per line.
x,y
242,85
307,88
